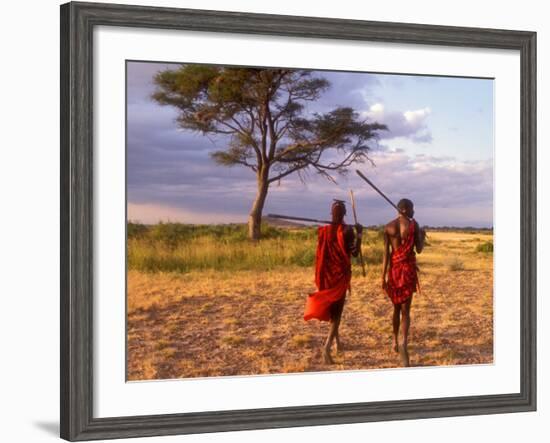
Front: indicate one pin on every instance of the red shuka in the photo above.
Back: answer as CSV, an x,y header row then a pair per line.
x,y
332,272
402,276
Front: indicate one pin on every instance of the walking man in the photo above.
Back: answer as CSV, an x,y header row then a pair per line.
x,y
402,237
336,244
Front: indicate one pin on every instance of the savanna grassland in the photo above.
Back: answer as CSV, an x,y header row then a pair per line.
x,y
205,301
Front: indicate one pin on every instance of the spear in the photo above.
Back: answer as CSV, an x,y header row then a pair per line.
x,y
360,174
356,222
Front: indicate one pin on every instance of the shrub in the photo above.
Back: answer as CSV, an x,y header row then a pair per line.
x,y
136,230
455,264
485,247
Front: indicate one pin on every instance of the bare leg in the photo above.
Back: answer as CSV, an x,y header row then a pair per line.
x,y
339,347
328,343
338,318
406,321
336,315
396,322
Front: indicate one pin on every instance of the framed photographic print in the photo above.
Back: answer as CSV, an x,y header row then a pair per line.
x,y
273,221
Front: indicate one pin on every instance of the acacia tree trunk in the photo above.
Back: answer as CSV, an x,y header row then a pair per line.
x,y
255,216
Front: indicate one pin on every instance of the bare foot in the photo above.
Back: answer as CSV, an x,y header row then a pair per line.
x,y
326,357
395,345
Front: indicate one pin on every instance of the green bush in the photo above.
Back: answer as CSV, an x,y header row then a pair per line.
x,y
485,247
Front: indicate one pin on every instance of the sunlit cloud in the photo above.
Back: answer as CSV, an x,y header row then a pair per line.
x,y
411,124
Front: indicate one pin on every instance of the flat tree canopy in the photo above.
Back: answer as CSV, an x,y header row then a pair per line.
x,y
262,113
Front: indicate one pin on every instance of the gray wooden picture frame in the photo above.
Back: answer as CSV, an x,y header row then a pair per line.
x,y
77,23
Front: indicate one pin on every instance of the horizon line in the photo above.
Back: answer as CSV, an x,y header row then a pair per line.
x,y
305,225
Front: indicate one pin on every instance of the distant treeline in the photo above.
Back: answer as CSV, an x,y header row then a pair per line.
x,y
269,228
470,229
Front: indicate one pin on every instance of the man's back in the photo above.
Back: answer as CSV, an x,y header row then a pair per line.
x,y
397,232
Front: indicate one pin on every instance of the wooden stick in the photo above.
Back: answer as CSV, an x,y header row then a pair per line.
x,y
291,217
360,174
356,222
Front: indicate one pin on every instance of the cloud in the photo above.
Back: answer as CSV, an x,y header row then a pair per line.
x,y
154,213
410,124
441,182
416,118
348,89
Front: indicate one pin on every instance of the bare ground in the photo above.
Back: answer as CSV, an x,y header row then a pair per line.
x,y
217,324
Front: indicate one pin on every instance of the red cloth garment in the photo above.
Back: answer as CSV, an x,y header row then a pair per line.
x,y
332,272
402,274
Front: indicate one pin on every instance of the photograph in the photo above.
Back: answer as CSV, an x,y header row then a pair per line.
x,y
283,220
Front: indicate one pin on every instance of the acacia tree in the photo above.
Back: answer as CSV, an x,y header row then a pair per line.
x,y
262,113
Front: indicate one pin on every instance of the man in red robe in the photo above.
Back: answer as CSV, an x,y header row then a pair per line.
x,y
399,271
336,244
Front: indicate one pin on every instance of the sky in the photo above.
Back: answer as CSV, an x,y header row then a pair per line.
x,y
438,152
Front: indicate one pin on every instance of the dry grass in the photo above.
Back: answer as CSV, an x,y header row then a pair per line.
x,y
209,323
455,264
